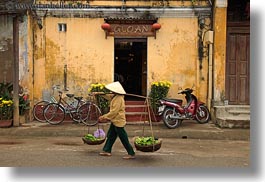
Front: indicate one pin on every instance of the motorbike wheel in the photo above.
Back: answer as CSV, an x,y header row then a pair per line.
x,y
169,122
202,115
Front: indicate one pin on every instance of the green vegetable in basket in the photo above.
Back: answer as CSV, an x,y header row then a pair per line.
x,y
91,137
144,141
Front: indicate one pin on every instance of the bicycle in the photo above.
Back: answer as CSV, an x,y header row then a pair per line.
x,y
89,112
85,112
38,108
54,112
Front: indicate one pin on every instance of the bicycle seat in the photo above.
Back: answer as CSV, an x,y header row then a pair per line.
x,y
70,95
78,98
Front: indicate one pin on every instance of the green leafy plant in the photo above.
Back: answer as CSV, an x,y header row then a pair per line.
x,y
158,91
145,141
6,90
6,109
6,103
24,103
102,102
92,137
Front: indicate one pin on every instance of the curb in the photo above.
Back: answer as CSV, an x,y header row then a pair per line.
x,y
188,130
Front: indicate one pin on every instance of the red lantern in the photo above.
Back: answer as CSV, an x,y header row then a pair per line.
x,y
105,26
156,26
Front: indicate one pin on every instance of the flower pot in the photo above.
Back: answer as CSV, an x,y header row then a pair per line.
x,y
6,123
24,118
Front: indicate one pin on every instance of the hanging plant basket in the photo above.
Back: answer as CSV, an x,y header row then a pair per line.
x,y
147,144
93,142
97,138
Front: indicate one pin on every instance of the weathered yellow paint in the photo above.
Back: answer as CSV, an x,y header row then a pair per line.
x,y
38,61
219,52
173,56
81,50
89,57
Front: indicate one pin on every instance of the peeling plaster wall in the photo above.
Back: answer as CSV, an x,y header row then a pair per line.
x,y
23,53
89,57
6,48
37,47
219,54
173,56
82,48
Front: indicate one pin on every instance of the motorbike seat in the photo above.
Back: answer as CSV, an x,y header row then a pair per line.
x,y
173,100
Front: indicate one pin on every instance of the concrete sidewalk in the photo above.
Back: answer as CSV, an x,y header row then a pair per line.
x,y
188,130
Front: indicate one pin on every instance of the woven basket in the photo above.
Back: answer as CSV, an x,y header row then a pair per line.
x,y
149,148
96,142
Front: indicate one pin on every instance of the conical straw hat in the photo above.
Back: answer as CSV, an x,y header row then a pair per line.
x,y
115,87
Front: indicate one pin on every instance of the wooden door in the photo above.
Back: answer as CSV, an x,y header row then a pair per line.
x,y
237,65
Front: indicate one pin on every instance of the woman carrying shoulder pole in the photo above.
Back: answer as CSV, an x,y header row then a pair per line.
x,y
118,121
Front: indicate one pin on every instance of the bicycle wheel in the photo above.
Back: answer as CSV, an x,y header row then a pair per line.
x,y
73,111
54,113
38,111
74,116
89,113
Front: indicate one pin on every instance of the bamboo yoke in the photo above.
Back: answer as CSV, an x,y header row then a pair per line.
x,y
147,103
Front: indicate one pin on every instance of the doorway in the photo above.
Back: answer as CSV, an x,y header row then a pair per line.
x,y
237,83
130,65
237,65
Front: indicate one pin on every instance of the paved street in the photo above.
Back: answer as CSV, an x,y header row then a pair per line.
x,y
72,152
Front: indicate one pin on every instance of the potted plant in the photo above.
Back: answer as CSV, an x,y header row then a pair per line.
x,y
24,106
158,91
6,105
101,102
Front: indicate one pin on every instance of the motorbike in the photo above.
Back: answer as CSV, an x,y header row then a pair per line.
x,y
173,112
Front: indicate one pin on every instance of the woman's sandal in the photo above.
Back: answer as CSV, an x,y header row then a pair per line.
x,y
105,154
129,157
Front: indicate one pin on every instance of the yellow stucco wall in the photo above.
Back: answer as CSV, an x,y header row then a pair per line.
x,y
83,49
173,56
89,57
219,53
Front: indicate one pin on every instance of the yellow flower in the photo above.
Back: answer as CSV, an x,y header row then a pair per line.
x,y
6,102
96,87
92,85
163,83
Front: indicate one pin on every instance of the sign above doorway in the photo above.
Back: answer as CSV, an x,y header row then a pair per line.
x,y
130,28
